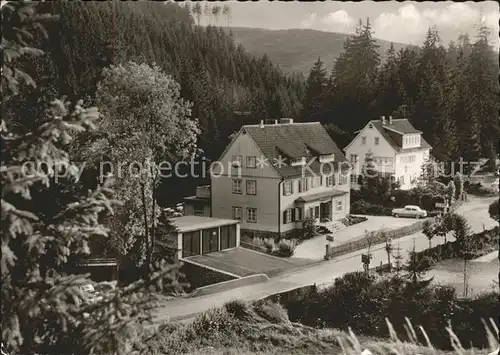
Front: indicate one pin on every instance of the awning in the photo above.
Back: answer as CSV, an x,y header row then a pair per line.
x,y
321,196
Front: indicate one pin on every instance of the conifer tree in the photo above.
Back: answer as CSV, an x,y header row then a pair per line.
x,y
43,308
316,86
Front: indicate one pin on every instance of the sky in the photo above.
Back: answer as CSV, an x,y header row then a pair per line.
x,y
405,22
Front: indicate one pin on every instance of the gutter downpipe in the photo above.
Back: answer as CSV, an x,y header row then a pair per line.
x,y
279,205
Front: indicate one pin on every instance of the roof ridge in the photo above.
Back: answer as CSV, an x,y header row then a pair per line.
x,y
281,124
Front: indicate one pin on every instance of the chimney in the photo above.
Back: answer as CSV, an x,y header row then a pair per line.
x,y
286,120
390,119
382,118
261,123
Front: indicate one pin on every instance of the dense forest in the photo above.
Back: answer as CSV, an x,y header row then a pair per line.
x,y
450,94
227,86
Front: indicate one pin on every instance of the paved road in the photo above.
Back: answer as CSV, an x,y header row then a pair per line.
x,y
475,210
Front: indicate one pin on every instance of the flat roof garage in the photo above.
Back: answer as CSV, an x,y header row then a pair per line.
x,y
197,235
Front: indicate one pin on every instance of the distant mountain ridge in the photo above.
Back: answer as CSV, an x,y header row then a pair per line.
x,y
295,50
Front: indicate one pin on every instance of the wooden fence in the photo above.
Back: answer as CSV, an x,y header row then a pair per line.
x,y
362,242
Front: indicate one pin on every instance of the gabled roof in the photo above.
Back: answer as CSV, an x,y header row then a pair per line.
x,y
392,133
295,141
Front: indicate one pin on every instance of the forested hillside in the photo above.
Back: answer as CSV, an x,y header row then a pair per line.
x,y
227,85
295,50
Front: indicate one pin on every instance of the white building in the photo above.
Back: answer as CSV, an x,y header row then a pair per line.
x,y
272,176
398,149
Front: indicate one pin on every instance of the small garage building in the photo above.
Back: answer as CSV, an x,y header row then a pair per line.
x,y
197,235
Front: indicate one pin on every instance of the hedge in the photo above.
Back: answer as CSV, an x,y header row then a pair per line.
x,y
359,301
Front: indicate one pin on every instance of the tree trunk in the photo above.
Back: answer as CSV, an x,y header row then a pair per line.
x,y
465,278
153,214
146,229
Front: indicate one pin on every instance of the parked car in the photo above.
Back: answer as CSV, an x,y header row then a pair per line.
x,y
409,211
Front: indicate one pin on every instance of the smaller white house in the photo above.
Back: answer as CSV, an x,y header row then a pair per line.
x,y
398,149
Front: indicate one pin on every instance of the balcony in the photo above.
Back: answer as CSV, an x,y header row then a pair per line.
x,y
203,191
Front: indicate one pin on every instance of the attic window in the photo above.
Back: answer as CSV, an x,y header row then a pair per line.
x,y
370,125
327,158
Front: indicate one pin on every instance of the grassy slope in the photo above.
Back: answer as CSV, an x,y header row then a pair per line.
x,y
264,329
297,49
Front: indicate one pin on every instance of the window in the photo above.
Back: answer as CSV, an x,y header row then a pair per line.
x,y
354,178
406,169
251,187
303,185
339,205
237,160
252,215
363,140
287,218
236,212
315,181
251,162
342,179
329,180
198,210
287,188
236,186
377,139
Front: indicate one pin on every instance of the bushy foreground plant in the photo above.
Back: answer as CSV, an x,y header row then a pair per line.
x,y
43,309
266,330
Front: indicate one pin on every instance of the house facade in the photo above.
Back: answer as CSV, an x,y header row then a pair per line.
x,y
398,149
272,176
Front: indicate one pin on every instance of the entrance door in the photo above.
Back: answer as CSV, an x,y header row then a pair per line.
x,y
325,210
210,240
227,237
190,244
316,211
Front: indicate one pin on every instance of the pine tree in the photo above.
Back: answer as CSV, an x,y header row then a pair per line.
x,y
391,90
315,92
416,267
354,79
43,307
430,116
482,99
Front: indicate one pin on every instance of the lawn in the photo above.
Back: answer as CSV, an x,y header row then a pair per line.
x,y
481,275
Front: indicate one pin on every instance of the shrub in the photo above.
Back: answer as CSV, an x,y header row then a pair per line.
x,y
212,321
238,309
273,312
362,207
286,247
269,244
308,228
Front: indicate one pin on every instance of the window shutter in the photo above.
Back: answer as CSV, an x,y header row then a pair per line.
x,y
293,215
284,217
291,186
284,188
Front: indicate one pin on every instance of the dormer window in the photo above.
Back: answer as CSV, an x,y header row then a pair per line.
x,y
327,158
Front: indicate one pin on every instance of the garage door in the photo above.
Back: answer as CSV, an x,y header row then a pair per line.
x,y
190,244
210,240
227,237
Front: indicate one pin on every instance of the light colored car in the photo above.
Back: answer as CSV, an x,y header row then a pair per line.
x,y
409,211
